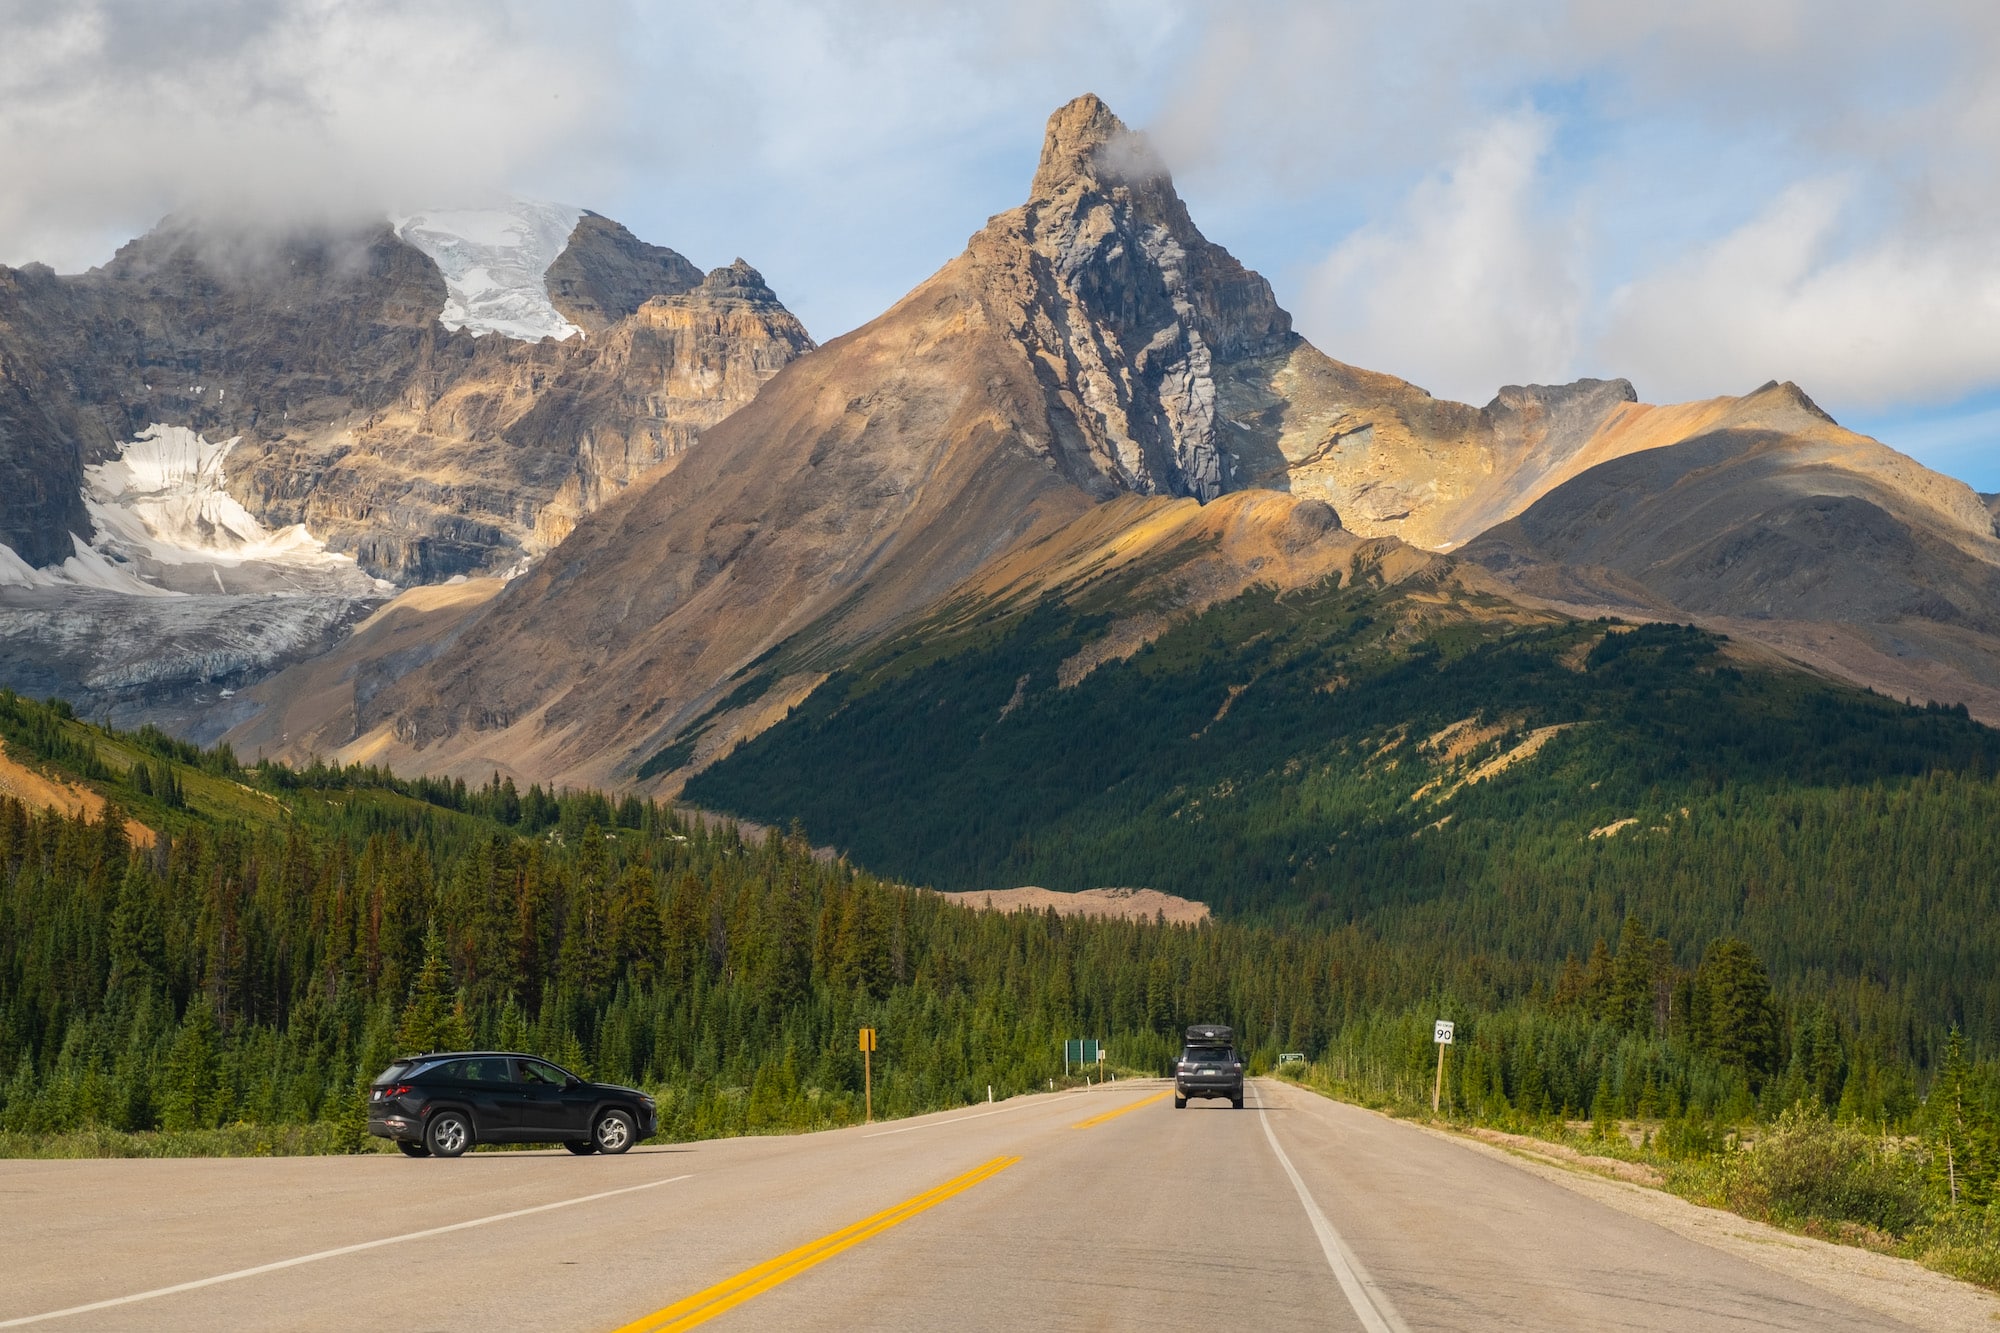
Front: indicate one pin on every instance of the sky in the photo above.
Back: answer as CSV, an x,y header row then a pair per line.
x,y
1698,197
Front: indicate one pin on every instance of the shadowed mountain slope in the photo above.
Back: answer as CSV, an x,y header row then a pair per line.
x,y
1774,523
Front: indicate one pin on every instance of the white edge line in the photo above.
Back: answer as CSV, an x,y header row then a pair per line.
x,y
1377,1315
935,1124
328,1254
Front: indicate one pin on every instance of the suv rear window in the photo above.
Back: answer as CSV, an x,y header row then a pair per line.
x,y
492,1069
1208,1055
395,1071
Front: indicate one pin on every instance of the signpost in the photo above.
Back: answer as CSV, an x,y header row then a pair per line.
x,y
1078,1051
867,1079
1442,1036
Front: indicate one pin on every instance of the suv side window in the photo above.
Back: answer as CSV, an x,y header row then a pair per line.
x,y
534,1073
491,1070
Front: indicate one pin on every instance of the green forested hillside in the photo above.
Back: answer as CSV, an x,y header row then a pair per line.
x,y
1341,755
227,972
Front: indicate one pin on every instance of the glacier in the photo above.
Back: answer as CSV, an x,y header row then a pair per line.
x,y
167,526
182,594
494,262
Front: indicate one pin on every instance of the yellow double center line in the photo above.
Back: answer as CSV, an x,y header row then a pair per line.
x,y
727,1295
1113,1115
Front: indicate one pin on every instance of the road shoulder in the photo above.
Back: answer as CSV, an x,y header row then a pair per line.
x,y
1899,1289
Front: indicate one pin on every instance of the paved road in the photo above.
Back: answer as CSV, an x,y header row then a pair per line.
x,y
1100,1210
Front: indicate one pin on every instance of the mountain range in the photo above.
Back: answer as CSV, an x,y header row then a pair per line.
x,y
602,520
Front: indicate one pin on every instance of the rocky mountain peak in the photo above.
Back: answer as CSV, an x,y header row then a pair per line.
x,y
738,281
1086,144
1139,317
606,273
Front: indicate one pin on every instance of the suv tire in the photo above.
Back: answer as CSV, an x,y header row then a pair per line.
x,y
581,1147
1180,1102
448,1135
1236,1102
614,1132
412,1149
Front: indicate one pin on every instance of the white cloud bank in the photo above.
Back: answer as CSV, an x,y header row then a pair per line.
x,y
1471,285
1698,196
113,112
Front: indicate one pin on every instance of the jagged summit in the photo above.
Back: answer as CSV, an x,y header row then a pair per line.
x,y
1085,143
738,281
1137,318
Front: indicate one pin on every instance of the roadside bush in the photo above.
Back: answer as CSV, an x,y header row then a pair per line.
x,y
1809,1169
1964,1242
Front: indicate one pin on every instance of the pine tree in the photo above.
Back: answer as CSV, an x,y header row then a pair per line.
x,y
1739,1025
434,1019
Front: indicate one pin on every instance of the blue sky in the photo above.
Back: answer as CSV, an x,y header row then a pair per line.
x,y
1698,197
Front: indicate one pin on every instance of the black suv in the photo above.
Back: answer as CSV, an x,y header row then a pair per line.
x,y
1209,1067
440,1105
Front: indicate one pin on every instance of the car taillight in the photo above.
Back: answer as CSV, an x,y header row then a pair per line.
x,y
396,1091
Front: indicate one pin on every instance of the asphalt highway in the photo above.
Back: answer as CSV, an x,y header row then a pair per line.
x,y
1099,1210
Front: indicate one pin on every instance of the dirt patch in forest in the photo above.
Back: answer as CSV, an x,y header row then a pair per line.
x,y
1130,904
38,791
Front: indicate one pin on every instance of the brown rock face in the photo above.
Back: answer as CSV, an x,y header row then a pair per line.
x,y
1070,355
606,273
424,453
1092,382
1129,315
647,387
1772,523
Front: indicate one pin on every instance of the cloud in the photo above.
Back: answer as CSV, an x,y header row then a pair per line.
x,y
1699,196
1903,314
113,112
1473,283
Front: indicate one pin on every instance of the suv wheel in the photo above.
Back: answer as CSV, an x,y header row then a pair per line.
x,y
449,1135
413,1149
614,1132
1237,1101
581,1147
1180,1102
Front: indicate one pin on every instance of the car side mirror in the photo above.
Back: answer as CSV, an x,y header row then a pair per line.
x,y
573,1082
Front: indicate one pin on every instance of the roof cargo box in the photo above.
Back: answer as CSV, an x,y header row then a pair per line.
x,y
1210,1034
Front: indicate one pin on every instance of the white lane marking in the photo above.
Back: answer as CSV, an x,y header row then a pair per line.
x,y
1377,1315
329,1254
911,1129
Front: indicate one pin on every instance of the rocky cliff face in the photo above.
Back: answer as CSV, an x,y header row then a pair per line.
x,y
645,388
314,376
1130,316
606,273
1001,433
417,449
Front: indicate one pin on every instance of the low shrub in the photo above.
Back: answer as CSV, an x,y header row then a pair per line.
x,y
1808,1169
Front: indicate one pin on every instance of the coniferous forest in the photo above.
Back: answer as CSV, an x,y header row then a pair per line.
x,y
224,955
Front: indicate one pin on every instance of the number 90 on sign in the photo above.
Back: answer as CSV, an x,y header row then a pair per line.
x,y
1443,1036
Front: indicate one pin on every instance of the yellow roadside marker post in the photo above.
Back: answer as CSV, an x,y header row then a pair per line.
x,y
867,1078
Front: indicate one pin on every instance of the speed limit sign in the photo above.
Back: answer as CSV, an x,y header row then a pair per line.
x,y
1443,1032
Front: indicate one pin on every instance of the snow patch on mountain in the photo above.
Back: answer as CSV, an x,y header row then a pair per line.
x,y
494,262
88,568
164,497
167,526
